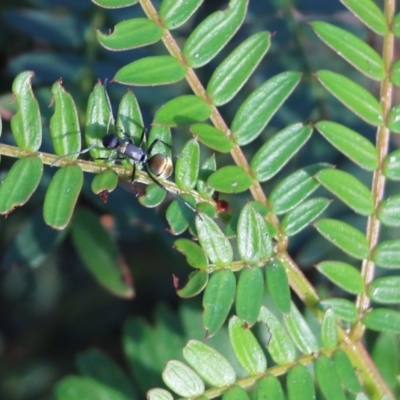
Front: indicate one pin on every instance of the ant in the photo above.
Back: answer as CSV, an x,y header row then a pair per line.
x,y
157,165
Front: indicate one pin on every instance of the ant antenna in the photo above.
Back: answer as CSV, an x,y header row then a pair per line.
x,y
72,154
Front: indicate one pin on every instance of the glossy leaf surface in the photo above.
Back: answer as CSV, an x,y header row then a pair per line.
x,y
277,151
345,371
179,215
383,320
154,70
391,166
352,49
230,179
269,388
211,35
246,347
387,254
393,122
115,3
262,104
385,290
235,70
105,181
343,308
344,236
195,284
327,378
175,13
212,137
194,254
300,385
389,211
352,95
278,285
235,393
206,169
159,394
187,165
329,334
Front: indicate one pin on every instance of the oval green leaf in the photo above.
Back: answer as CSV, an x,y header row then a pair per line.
x,y
329,334
213,241
99,254
183,110
389,211
20,183
182,379
391,166
206,169
353,96
385,290
179,215
359,149
344,236
115,3
159,394
262,104
300,385
393,122
235,393
236,69
280,346
354,50
26,124
345,372
348,189
61,196
187,165
269,388
277,151
278,285
212,137
294,189
302,215
249,294
153,197
327,378
105,181
343,275
150,71
343,308
212,34
209,364
174,13
230,179
196,283
383,320
246,347
387,254
194,254
131,34
217,300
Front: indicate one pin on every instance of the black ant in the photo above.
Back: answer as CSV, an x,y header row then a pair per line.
x,y
157,165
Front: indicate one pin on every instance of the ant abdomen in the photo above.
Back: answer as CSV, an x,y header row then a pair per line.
x,y
160,166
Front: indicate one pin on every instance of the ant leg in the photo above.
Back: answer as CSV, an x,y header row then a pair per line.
x,y
142,137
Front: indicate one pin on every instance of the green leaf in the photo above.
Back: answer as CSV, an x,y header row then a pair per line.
x,y
348,189
277,151
269,388
187,165
131,34
294,189
345,372
278,284
64,124
154,196
159,394
149,71
212,137
194,254
249,294
391,166
179,215
183,110
300,385
78,388
327,378
217,300
385,290
230,179
246,347
359,149
115,3
344,236
387,254
354,50
235,393
249,238
26,122
395,73
389,211
329,334
353,96
182,379
105,181
280,346
212,34
369,13
393,119
99,253
343,275
300,332
61,196
209,364
196,283
262,104
174,13
99,366
383,320
343,308
302,215
213,241
236,69
206,169
20,183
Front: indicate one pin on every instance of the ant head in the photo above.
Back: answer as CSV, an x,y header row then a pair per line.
x,y
160,165
110,142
